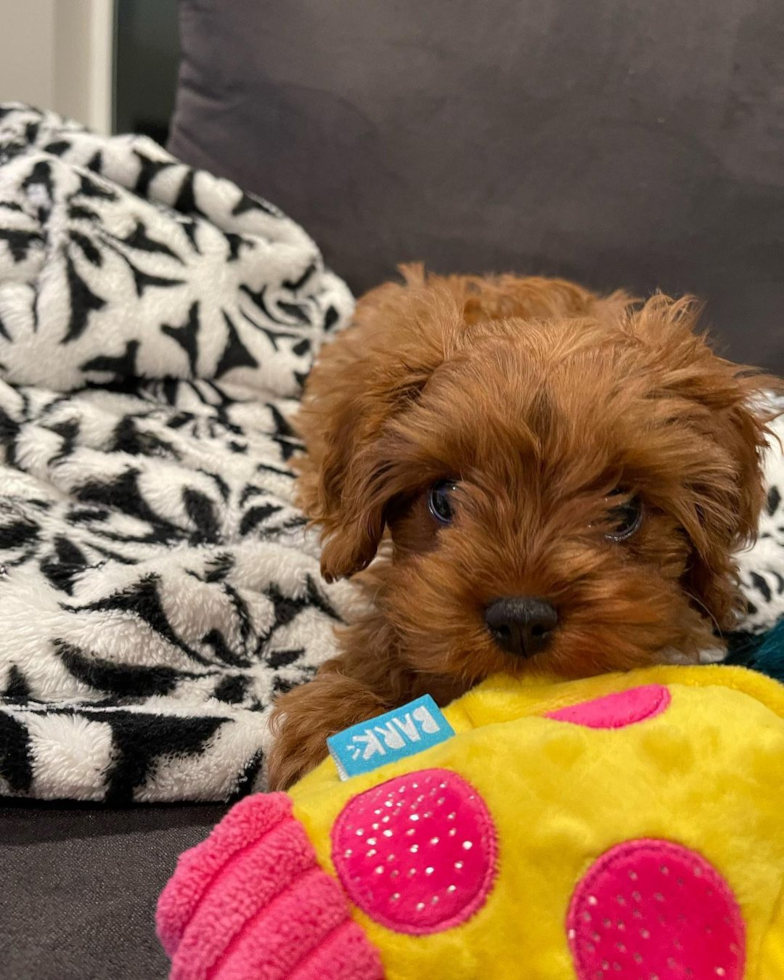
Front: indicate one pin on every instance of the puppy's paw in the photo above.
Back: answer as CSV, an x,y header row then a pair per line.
x,y
306,717
298,748
713,655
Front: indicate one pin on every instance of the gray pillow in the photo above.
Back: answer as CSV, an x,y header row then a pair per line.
x,y
619,142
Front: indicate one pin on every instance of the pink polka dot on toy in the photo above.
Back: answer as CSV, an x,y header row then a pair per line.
x,y
652,908
617,710
418,852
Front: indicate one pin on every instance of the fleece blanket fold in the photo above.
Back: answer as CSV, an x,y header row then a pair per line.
x,y
157,584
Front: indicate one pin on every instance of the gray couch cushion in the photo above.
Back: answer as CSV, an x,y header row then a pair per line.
x,y
619,143
81,883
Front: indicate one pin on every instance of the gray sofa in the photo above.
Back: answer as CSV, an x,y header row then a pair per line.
x,y
622,142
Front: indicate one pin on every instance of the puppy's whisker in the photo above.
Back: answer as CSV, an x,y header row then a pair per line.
x,y
708,613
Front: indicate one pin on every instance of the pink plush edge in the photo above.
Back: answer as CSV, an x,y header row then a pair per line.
x,y
196,868
214,925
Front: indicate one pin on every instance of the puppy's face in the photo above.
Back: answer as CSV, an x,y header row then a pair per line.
x,y
562,494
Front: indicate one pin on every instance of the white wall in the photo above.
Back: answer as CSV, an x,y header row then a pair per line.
x,y
26,51
57,54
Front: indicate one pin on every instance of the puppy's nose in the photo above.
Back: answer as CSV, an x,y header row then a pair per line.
x,y
521,624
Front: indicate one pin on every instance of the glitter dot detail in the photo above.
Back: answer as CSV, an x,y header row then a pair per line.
x,y
617,710
679,917
446,881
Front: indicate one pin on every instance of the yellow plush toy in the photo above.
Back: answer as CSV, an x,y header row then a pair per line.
x,y
627,826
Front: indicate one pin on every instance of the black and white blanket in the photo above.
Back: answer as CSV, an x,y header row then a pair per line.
x,y
157,585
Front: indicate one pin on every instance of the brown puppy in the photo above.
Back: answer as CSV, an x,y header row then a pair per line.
x,y
564,479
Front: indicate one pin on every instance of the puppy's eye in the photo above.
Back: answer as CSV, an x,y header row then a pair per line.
x,y
439,500
625,518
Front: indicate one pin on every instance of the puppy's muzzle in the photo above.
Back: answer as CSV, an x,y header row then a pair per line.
x,y
521,625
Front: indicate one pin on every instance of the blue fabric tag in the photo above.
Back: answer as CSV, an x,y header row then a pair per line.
x,y
405,731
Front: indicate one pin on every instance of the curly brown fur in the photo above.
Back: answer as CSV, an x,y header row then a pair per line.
x,y
540,400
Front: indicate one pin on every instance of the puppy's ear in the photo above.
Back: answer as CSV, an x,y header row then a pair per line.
x,y
724,410
363,381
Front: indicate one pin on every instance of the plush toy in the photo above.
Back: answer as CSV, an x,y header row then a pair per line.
x,y
625,827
